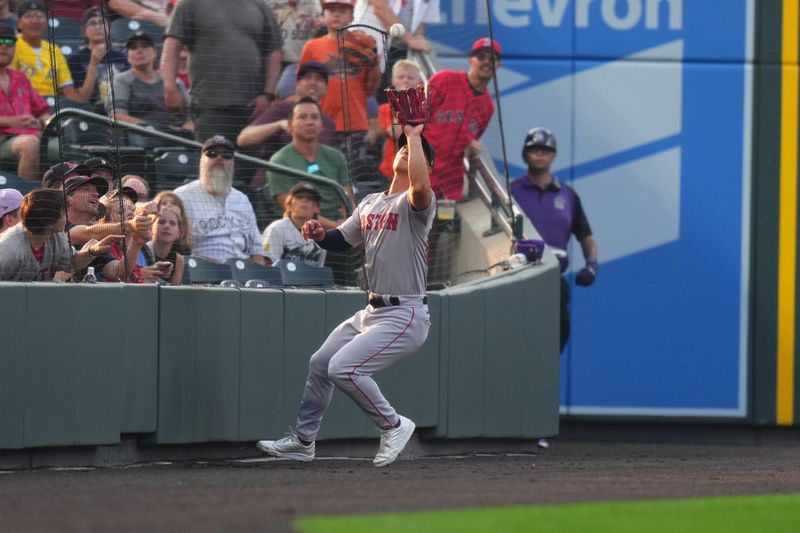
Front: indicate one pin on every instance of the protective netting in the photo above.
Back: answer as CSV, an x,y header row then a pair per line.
x,y
166,112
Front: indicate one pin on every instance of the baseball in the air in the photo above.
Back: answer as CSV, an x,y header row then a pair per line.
x,y
397,30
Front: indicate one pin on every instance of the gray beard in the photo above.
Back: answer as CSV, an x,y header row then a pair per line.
x,y
217,181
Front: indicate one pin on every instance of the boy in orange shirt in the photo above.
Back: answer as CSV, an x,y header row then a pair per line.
x,y
352,78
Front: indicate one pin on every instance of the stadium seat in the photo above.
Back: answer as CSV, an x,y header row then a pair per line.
x,y
245,270
174,167
65,32
122,28
204,272
9,180
303,275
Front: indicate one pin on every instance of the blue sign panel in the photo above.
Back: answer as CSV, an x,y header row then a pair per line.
x,y
650,101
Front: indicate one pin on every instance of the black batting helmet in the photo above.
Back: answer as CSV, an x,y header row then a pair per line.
x,y
539,137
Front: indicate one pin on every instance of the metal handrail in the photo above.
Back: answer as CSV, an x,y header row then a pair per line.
x,y
51,129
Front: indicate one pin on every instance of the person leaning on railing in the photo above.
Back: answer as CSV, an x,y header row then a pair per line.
x,y
36,249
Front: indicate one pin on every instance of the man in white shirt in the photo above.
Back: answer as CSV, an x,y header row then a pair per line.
x,y
222,218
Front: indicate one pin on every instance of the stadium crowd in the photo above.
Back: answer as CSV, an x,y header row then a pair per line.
x,y
274,79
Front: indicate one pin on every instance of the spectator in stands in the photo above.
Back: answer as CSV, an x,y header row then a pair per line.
x,y
167,232
34,55
139,92
23,113
100,166
282,239
414,15
83,193
307,154
90,66
56,174
270,130
362,78
10,200
462,108
36,249
170,200
223,221
234,67
83,200
405,75
119,207
298,20
7,18
138,184
155,11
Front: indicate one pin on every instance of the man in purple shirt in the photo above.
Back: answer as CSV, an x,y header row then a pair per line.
x,y
556,212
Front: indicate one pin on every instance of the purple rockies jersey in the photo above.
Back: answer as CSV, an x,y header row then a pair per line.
x,y
555,211
395,238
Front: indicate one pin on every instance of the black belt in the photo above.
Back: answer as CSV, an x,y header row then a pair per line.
x,y
380,301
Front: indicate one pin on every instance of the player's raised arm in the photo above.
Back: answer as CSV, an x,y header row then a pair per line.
x,y
419,190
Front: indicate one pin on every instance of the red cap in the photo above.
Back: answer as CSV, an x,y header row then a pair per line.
x,y
485,42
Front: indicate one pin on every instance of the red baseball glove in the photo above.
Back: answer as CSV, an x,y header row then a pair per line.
x,y
360,49
410,106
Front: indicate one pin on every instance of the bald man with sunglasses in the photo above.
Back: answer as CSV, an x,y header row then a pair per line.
x,y
223,222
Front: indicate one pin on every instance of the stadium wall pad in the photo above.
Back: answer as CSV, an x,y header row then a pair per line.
x,y
85,368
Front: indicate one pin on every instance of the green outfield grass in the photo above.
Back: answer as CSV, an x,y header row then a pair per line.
x,y
731,514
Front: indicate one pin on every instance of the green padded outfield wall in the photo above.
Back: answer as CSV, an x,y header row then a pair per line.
x,y
77,368
83,365
774,307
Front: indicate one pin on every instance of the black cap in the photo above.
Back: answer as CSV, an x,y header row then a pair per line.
x,y
55,175
128,192
304,186
96,163
30,5
139,36
72,183
7,32
310,67
430,153
91,13
218,140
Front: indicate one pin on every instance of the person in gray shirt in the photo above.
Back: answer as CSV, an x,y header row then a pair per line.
x,y
234,65
138,95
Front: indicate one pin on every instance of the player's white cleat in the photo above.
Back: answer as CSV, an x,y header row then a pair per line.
x,y
289,447
393,441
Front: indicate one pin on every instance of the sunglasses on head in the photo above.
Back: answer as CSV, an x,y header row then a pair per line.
x,y
211,154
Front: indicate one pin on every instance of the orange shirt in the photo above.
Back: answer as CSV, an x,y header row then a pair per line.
x,y
346,100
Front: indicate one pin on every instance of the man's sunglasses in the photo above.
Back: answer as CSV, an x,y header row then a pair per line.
x,y
211,154
8,40
485,56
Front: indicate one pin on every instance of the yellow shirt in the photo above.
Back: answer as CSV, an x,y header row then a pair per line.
x,y
37,66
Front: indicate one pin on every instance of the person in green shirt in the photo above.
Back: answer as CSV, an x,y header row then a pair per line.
x,y
306,153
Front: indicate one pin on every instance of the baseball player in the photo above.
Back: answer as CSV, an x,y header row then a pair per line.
x,y
393,226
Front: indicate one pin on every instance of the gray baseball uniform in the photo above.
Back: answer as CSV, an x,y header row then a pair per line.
x,y
394,325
